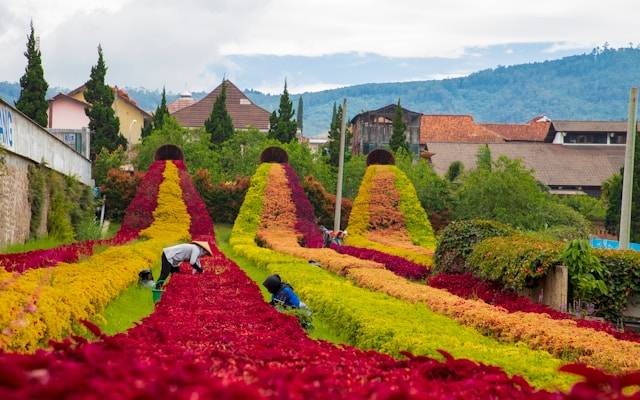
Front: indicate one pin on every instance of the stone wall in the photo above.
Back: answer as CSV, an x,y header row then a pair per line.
x,y
15,212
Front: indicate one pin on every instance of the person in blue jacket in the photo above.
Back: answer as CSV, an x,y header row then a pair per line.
x,y
282,293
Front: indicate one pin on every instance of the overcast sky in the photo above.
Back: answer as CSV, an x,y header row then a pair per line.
x,y
192,44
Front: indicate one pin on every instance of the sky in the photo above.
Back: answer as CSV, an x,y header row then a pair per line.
x,y
315,45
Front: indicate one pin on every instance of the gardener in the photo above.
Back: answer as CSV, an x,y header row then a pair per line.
x,y
174,255
282,293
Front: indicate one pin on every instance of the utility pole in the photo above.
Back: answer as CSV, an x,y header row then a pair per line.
x,y
343,128
627,180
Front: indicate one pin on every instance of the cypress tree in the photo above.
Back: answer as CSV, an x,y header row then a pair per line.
x,y
162,111
333,144
32,101
300,114
283,125
219,123
104,125
398,138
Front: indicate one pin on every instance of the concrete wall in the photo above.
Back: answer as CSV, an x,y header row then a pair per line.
x,y
65,113
23,137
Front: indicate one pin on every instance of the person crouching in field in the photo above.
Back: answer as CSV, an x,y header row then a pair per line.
x,y
174,255
282,293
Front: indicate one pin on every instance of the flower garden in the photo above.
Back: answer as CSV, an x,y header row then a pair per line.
x,y
411,334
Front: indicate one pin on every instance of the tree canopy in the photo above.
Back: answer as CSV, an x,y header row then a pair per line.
x,y
283,126
219,123
32,101
398,137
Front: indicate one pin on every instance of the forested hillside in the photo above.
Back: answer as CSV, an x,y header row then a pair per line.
x,y
586,86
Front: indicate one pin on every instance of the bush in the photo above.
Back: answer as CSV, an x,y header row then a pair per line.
x,y
622,277
119,188
433,191
223,200
106,160
58,221
324,203
591,208
37,175
515,261
458,238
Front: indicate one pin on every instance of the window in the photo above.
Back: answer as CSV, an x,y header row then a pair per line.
x,y
586,138
245,102
618,138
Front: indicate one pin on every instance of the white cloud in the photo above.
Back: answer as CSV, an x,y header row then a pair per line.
x,y
180,42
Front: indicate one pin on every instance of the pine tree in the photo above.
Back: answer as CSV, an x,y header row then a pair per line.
x,y
104,125
162,112
398,138
333,144
219,124
483,158
283,126
300,115
32,101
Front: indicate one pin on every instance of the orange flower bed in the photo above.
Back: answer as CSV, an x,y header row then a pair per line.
x,y
562,338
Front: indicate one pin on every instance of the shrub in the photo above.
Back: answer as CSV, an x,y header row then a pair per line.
x,y
324,203
458,238
592,208
516,261
37,176
58,221
105,161
223,200
585,270
622,277
119,188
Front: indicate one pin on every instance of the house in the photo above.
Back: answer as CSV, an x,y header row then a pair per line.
x,y
66,113
244,113
373,129
589,132
185,100
455,129
537,129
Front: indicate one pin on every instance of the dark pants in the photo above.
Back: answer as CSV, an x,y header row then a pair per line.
x,y
167,268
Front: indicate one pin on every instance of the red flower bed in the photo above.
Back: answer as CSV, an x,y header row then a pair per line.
x,y
213,336
139,216
468,286
306,221
395,264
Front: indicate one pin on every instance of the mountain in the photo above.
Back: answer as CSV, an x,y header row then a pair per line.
x,y
586,86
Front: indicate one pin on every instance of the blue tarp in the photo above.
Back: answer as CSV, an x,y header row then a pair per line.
x,y
611,244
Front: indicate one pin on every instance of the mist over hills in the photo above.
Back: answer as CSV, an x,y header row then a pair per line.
x,y
586,86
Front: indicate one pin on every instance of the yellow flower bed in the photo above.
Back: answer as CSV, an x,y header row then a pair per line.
x,y
419,248
559,337
47,303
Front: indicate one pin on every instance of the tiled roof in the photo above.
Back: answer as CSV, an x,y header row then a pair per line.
x,y
180,103
121,93
455,129
242,110
553,164
535,130
590,126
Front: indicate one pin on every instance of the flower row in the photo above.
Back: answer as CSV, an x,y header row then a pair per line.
x,y
139,216
369,319
382,189
47,303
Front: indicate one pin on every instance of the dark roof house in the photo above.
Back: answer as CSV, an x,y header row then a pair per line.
x,y
243,111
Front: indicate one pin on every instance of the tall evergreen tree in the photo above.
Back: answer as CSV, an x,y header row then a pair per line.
x,y
333,144
283,126
104,125
483,158
300,115
398,138
32,101
162,112
219,124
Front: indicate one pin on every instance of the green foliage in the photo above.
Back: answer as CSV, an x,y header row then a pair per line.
x,y
59,221
591,208
223,199
37,175
119,188
324,203
509,193
585,270
456,242
103,122
516,261
219,123
300,115
32,101
612,195
161,112
433,191
454,171
82,212
105,161
622,276
484,159
333,144
282,125
352,177
303,315
398,138
415,218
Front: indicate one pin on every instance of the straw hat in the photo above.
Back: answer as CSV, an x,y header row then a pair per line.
x,y
204,245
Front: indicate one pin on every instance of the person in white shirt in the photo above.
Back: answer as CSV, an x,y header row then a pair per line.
x,y
174,255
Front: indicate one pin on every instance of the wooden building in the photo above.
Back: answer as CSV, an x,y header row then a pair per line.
x,y
373,129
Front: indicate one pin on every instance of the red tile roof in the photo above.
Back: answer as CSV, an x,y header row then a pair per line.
x,y
185,100
243,111
455,129
535,130
121,93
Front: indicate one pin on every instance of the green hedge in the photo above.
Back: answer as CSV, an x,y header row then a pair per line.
x,y
622,280
458,238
